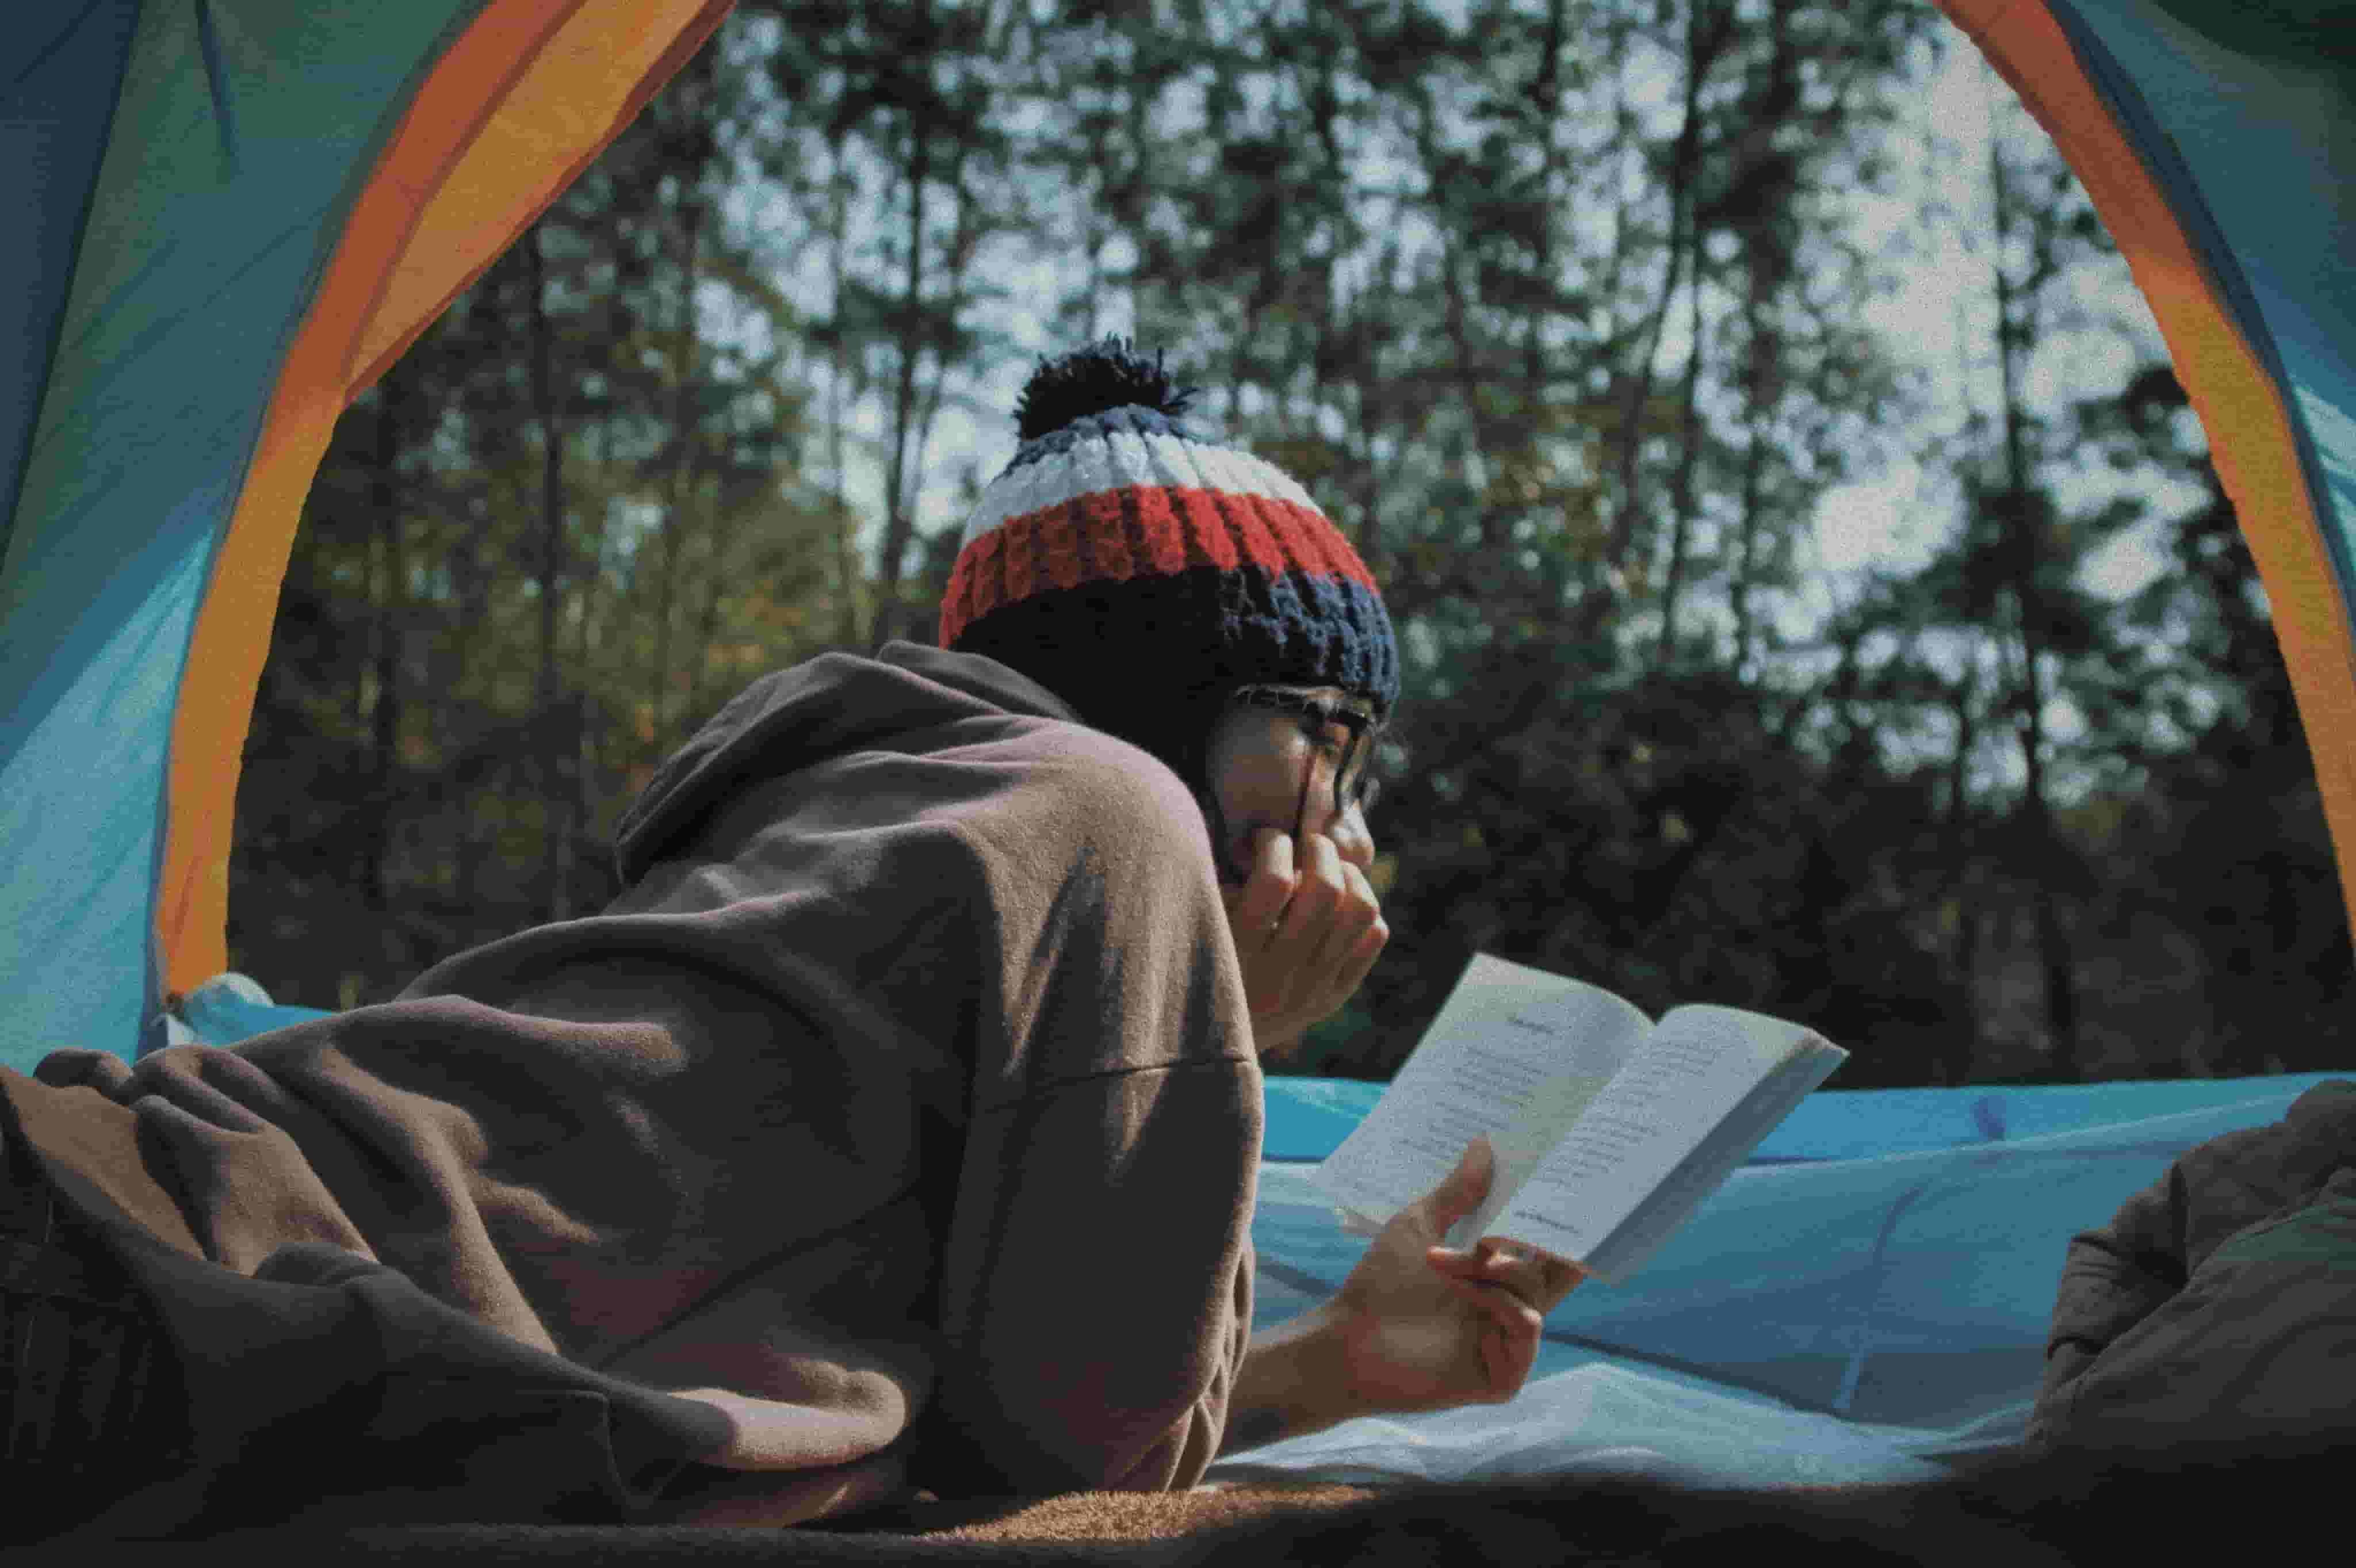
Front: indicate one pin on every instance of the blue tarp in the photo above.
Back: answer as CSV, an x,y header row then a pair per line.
x,y
1867,1295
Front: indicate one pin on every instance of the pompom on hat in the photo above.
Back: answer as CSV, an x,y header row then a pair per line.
x,y
1142,573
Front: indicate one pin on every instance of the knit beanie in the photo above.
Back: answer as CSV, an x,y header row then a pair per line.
x,y
1142,573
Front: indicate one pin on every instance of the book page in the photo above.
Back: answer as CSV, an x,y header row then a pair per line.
x,y
1514,1054
1696,1067
1706,1170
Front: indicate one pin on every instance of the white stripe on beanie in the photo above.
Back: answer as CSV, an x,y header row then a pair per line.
x,y
1097,465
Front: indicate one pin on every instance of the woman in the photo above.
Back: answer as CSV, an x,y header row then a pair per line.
x,y
897,1126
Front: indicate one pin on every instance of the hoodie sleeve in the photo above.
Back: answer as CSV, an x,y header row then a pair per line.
x,y
2113,1279
2124,1274
1096,1272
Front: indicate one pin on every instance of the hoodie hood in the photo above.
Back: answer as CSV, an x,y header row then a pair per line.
x,y
833,704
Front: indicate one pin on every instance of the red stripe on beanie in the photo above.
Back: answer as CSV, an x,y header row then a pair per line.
x,y
1090,540
1019,548
1076,541
1163,528
957,604
1115,550
1247,522
1208,542
953,600
1309,546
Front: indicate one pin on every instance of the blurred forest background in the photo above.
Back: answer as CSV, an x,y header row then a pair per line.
x,y
1586,321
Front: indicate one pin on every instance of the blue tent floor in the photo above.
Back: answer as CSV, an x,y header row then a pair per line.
x,y
1866,1298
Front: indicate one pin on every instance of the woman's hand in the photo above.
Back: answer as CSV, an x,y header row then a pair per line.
x,y
1425,1326
1418,1326
1307,934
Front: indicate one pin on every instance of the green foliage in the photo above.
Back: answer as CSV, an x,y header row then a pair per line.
x,y
1556,309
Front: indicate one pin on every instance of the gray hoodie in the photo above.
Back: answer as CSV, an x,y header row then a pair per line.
x,y
911,1079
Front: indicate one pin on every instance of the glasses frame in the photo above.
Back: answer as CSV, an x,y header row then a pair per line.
x,y
1358,754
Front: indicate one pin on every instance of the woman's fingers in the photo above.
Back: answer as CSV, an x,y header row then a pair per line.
x,y
1368,936
1279,918
1534,1278
1306,925
1507,1336
1332,902
1354,933
1255,910
1310,920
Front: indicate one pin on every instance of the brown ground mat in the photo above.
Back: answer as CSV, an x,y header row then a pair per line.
x,y
1079,1530
1109,1516
2198,1502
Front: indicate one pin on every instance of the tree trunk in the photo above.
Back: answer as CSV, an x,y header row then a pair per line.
x,y
556,800
391,587
1465,370
1637,385
1963,957
2055,958
1546,97
961,240
1681,490
1763,263
715,585
455,655
1597,607
1973,942
684,432
851,632
1545,94
592,742
899,513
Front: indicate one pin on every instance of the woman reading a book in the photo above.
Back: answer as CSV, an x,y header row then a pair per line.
x,y
897,1126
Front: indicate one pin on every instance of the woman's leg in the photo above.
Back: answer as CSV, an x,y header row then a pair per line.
x,y
89,1404
154,1393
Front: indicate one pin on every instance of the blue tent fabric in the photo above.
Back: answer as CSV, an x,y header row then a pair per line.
x,y
58,100
232,1007
2189,92
174,244
55,110
1309,1117
1868,1296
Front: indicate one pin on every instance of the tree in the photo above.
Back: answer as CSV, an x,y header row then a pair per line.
x,y
1555,308
456,698
2228,846
906,98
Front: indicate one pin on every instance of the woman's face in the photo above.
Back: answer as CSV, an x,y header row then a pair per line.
x,y
1260,759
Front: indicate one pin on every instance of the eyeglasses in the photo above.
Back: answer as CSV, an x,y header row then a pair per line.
x,y
1354,775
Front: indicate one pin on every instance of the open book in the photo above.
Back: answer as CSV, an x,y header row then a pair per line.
x,y
1609,1129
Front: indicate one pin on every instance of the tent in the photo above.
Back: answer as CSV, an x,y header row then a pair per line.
x,y
243,211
